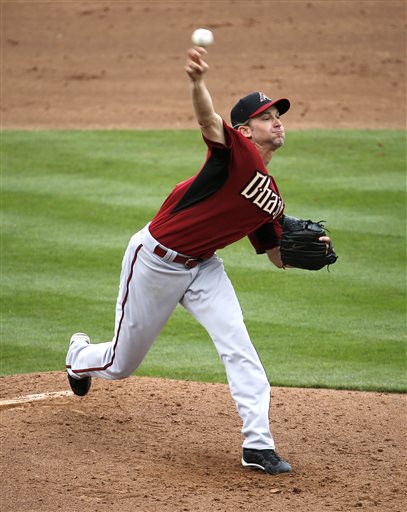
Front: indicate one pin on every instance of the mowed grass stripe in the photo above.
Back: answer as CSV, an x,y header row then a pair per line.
x,y
71,200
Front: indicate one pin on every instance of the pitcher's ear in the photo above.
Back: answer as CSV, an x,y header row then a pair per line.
x,y
246,130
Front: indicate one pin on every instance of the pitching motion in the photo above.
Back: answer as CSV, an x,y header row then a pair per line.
x,y
172,260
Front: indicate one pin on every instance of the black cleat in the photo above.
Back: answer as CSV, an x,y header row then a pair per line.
x,y
79,385
267,460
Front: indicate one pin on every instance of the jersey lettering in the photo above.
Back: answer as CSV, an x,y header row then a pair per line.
x,y
260,193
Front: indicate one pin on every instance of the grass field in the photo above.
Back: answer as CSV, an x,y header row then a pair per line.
x,y
72,199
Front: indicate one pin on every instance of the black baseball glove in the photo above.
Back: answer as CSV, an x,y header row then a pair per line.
x,y
300,246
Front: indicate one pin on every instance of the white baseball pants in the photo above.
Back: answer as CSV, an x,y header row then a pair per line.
x,y
150,289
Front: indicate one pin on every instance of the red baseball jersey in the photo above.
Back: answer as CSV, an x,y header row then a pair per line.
x,y
232,196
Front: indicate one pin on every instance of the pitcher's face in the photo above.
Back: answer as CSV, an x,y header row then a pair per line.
x,y
267,128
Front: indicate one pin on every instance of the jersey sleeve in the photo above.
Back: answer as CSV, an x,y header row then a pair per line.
x,y
266,236
229,136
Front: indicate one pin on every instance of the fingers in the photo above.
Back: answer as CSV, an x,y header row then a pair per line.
x,y
197,51
195,65
328,242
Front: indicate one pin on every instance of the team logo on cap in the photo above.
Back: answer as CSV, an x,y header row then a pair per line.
x,y
263,97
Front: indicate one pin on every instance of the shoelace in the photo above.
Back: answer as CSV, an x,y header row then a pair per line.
x,y
275,455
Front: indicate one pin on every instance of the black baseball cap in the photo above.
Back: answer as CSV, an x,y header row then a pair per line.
x,y
254,104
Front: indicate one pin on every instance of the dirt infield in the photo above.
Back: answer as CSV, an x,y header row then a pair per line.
x,y
156,445
120,64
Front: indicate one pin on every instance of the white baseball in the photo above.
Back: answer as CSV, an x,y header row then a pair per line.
x,y
202,37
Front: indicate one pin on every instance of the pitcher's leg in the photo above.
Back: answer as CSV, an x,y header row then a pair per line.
x,y
212,300
149,291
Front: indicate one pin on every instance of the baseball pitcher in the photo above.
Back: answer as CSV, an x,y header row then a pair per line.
x,y
173,260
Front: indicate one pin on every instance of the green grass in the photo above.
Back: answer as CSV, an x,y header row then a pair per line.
x,y
72,199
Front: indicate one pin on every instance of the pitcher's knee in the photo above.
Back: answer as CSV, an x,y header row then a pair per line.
x,y
116,372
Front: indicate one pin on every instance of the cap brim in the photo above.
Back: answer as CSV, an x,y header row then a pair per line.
x,y
282,105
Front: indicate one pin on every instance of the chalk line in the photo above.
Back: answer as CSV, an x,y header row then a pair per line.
x,y
33,398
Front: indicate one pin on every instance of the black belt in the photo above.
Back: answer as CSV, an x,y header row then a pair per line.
x,y
185,260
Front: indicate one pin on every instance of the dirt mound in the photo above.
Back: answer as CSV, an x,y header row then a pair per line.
x,y
160,445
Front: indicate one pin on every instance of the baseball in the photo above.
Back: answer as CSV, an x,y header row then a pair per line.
x,y
202,37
